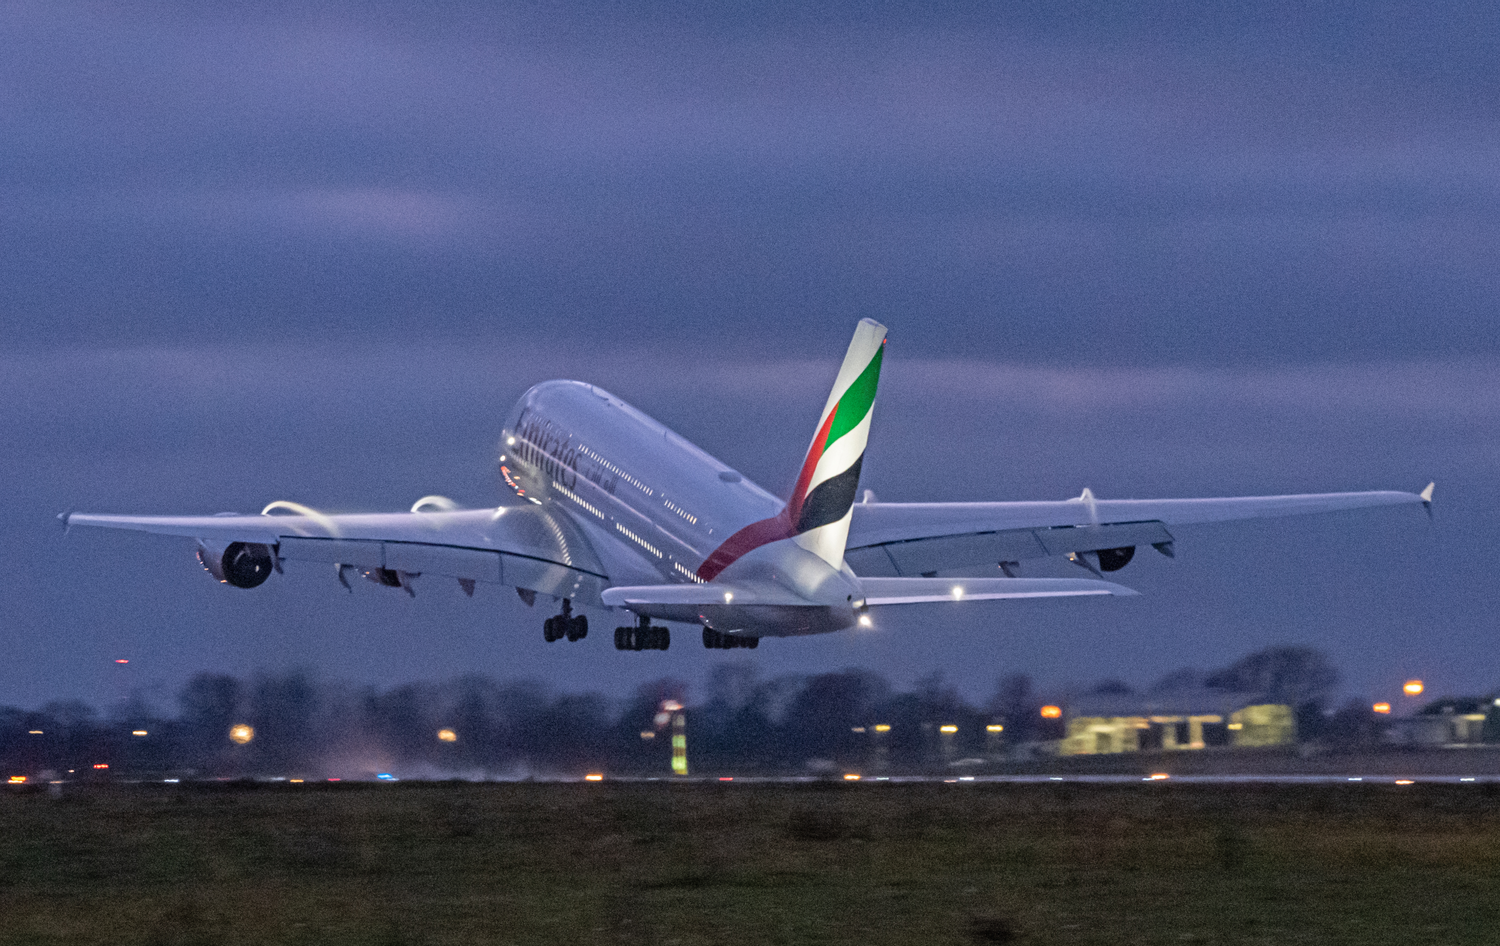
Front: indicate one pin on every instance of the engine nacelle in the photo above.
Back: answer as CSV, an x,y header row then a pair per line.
x,y
241,564
1112,560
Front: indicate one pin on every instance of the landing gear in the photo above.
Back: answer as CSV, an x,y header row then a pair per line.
x,y
714,640
567,624
644,636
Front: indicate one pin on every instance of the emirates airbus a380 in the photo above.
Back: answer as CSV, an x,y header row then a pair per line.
x,y
609,509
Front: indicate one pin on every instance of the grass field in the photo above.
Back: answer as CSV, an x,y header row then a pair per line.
x,y
708,863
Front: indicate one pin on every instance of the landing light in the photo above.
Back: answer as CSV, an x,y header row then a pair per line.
x,y
882,727
594,777
958,592
1381,707
1412,687
139,732
728,596
241,734
1052,712
447,735
851,777
510,441
948,729
864,621
994,727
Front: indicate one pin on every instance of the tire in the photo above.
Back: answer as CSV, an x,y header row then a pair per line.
x,y
663,638
549,630
620,633
752,642
708,638
581,623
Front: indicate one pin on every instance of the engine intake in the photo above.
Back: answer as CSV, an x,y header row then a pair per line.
x,y
241,564
1112,560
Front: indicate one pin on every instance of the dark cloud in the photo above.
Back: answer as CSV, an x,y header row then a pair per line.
x,y
1075,182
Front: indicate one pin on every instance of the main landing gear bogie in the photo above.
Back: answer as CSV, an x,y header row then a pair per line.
x,y
575,627
715,640
644,636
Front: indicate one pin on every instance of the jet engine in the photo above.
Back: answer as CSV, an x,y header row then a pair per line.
x,y
1112,560
241,564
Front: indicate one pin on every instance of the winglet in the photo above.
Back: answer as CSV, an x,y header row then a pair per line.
x,y
1426,495
63,517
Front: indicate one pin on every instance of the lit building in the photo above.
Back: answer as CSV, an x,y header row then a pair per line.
x,y
1450,723
1182,720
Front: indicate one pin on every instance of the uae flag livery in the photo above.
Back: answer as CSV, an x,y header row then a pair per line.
x,y
818,513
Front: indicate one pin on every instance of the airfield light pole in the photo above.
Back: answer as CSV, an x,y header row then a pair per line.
x,y
672,711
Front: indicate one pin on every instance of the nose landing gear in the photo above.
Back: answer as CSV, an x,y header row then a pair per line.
x,y
567,624
644,636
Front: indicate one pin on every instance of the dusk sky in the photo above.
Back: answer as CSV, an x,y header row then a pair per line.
x,y
316,251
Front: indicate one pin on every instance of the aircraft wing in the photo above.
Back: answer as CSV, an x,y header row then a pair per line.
x,y
905,539
524,546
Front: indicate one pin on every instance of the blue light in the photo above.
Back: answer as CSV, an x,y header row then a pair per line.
x,y
387,777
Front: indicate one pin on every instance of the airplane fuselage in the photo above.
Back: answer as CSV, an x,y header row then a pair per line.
x,y
654,507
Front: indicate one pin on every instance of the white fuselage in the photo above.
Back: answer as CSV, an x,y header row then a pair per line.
x,y
654,507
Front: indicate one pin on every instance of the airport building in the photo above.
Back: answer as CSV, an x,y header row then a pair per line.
x,y
1452,723
1181,720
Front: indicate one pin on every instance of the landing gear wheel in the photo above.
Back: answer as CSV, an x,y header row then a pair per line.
x,y
550,630
577,627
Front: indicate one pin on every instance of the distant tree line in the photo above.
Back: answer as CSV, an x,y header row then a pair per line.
x,y
296,726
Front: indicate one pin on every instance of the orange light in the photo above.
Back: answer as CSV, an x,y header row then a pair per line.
x,y
1412,687
726,778
882,727
17,779
1051,712
447,735
1381,707
138,732
1159,776
594,777
948,729
295,781
1404,781
122,661
241,734
101,765
994,727
851,777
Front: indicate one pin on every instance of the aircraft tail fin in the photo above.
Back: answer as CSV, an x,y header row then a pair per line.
x,y
822,502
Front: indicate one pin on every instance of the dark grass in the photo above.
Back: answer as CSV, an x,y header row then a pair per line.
x,y
695,863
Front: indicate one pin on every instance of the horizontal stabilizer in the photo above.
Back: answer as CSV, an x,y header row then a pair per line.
x,y
881,591
700,595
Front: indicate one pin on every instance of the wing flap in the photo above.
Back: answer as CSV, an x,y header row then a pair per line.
x,y
904,539
522,546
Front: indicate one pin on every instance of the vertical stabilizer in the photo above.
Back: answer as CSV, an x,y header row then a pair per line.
x,y
823,500
818,512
